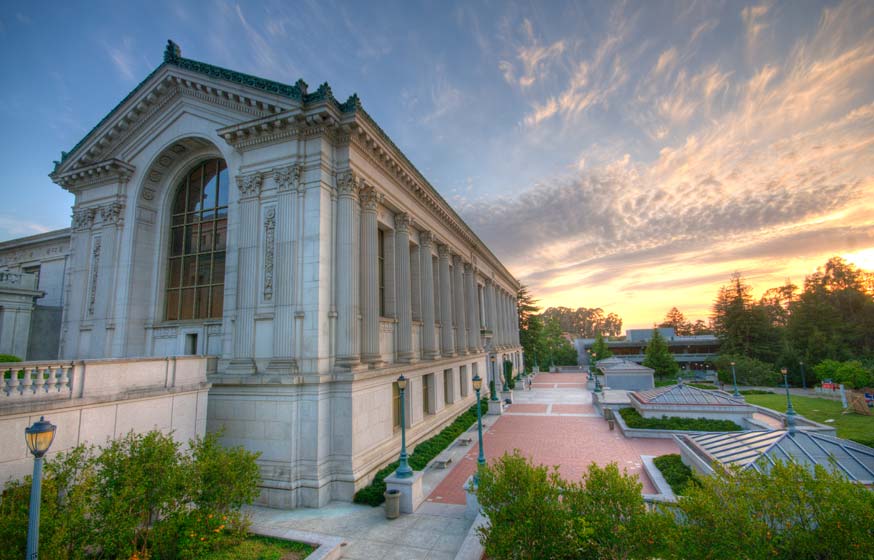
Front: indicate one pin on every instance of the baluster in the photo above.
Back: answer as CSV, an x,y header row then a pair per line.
x,y
65,377
7,383
52,379
15,382
27,386
39,382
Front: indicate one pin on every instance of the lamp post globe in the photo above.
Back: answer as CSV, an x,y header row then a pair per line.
x,y
481,458
404,470
39,438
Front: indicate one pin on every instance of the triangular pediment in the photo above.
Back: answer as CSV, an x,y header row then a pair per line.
x,y
250,97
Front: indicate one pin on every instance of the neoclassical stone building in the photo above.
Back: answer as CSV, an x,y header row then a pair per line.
x,y
282,231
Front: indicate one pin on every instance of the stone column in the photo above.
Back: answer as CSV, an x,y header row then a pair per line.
x,y
242,360
446,336
287,180
404,297
369,277
348,271
426,268
491,314
458,304
472,307
416,282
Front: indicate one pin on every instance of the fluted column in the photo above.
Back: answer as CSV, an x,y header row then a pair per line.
x,y
348,272
491,314
369,277
242,360
458,304
472,308
446,337
502,317
403,302
426,269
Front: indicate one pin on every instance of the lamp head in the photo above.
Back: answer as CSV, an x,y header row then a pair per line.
x,y
402,382
477,382
732,363
493,358
39,436
783,371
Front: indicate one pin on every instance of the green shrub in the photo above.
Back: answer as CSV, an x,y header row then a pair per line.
x,y
633,419
676,473
756,392
708,386
373,493
140,495
749,371
508,375
8,358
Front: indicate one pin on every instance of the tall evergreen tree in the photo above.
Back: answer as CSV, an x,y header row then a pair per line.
x,y
658,356
599,348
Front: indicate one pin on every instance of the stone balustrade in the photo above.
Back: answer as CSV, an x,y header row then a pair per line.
x,y
36,381
17,280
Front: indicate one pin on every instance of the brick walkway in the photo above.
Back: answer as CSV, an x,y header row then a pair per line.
x,y
554,424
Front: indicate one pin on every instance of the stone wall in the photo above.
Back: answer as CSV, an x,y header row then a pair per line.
x,y
96,400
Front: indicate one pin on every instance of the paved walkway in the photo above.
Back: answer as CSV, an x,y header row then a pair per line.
x,y
554,424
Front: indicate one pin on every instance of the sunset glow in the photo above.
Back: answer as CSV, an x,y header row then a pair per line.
x,y
629,156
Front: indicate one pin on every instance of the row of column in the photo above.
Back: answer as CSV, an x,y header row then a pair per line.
x,y
417,287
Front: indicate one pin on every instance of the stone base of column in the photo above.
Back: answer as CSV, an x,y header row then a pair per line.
x,y
283,366
410,488
508,394
431,355
496,408
348,362
407,358
372,360
241,366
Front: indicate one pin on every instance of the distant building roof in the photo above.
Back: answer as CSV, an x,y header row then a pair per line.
x,y
610,362
682,394
760,450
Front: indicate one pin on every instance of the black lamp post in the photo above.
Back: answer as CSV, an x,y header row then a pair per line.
x,y
39,438
481,459
803,379
734,378
404,470
790,412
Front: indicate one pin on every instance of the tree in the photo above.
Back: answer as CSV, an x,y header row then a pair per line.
x,y
599,349
526,306
749,371
530,325
852,373
555,347
742,326
677,321
658,356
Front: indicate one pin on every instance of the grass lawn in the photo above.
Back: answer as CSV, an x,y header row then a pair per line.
x,y
263,548
850,426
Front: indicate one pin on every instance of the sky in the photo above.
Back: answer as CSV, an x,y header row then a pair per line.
x,y
629,156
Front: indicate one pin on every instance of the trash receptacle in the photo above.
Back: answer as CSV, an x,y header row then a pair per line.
x,y
392,504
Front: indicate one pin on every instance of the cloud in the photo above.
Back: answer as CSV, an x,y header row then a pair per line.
x,y
12,226
752,17
122,58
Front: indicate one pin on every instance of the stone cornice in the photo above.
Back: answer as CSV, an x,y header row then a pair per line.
x,y
94,174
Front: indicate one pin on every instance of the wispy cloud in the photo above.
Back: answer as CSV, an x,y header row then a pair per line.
x,y
123,57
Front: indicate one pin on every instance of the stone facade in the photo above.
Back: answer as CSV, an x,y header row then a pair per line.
x,y
343,268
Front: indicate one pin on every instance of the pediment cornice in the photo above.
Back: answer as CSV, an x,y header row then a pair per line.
x,y
100,173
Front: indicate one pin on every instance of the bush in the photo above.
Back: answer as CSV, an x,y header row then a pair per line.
x,y
789,512
508,375
755,392
534,514
676,473
140,496
372,494
633,419
8,358
749,371
852,373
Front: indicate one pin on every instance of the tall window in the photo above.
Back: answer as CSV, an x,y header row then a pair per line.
x,y
380,267
198,236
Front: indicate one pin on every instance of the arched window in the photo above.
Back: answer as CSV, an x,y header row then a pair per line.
x,y
198,236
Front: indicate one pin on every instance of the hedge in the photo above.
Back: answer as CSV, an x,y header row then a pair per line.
x,y
633,419
372,494
676,473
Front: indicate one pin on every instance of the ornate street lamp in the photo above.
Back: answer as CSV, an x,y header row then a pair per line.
x,y
39,438
734,378
803,380
481,459
790,412
493,386
404,470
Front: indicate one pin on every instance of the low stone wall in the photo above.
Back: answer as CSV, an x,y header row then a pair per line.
x,y
648,433
92,401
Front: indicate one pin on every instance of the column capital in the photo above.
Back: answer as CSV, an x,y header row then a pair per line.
x,y
457,260
287,178
249,184
443,251
402,222
426,238
370,198
349,183
468,268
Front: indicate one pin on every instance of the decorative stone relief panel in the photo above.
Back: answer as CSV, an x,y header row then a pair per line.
x,y
95,269
269,247
287,178
164,332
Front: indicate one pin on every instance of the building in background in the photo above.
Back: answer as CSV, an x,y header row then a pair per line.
x,y
691,352
282,231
